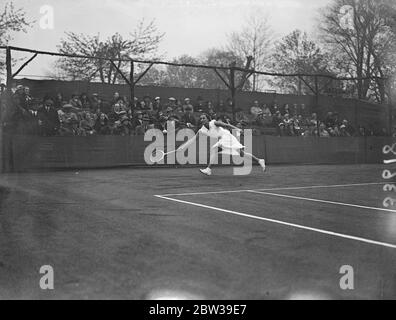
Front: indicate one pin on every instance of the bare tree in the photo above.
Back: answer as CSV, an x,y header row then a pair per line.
x,y
364,44
11,20
142,44
188,77
255,40
296,53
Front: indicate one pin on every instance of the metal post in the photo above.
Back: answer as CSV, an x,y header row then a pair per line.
x,y
9,68
132,84
6,97
317,102
233,89
388,85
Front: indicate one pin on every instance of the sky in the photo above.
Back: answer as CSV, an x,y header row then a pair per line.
x,y
190,26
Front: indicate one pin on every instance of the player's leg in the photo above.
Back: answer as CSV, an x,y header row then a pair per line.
x,y
261,162
212,160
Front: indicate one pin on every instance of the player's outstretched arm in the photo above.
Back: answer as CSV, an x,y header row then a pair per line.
x,y
226,125
188,143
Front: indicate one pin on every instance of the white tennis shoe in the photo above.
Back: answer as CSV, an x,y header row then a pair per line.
x,y
262,164
206,171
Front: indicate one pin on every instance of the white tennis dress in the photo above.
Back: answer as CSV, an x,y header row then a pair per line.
x,y
227,142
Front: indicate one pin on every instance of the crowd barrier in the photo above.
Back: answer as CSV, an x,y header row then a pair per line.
x,y
24,153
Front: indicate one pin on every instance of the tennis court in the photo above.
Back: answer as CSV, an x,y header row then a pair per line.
x,y
144,233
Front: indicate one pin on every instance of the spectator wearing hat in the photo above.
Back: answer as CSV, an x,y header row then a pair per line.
x,y
157,106
187,106
255,110
171,105
123,127
67,119
348,128
144,126
343,131
282,129
137,120
48,119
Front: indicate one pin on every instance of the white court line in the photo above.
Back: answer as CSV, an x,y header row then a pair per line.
x,y
273,189
335,234
323,201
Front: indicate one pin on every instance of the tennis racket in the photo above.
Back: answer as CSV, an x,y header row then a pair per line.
x,y
159,155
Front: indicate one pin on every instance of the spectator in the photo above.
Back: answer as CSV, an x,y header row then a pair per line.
x,y
323,133
289,130
286,109
210,107
120,108
348,128
157,106
171,105
59,101
85,102
330,120
229,107
68,120
277,119
282,129
187,106
255,110
147,103
75,102
266,111
123,127
362,132
137,120
188,118
221,107
102,125
211,111
313,122
294,111
28,99
275,108
298,125
343,131
200,107
241,118
115,99
48,119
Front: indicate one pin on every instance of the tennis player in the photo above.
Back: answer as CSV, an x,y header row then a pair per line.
x,y
227,143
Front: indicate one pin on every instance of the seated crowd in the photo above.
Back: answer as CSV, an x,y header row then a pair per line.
x,y
84,115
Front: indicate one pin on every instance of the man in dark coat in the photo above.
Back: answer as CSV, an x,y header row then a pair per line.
x,y
48,119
